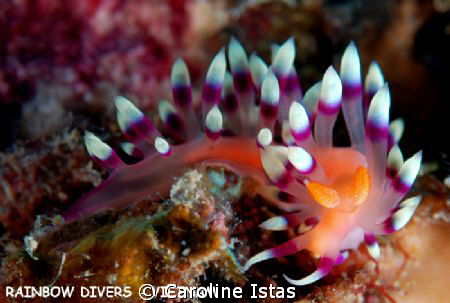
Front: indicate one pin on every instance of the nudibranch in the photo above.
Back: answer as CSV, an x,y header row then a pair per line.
x,y
256,122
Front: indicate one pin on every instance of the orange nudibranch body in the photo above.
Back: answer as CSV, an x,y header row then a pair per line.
x,y
327,235
335,198
239,151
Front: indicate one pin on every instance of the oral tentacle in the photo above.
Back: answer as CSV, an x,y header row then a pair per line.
x,y
342,257
287,248
324,268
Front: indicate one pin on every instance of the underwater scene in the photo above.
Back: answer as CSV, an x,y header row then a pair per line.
x,y
225,151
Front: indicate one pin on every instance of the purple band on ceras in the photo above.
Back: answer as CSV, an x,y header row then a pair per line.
x,y
111,162
329,109
301,135
350,92
282,81
325,265
268,110
213,135
388,225
370,239
135,152
376,132
391,172
167,154
291,84
391,141
368,96
242,82
229,103
211,93
400,185
182,95
139,129
175,123
284,180
311,221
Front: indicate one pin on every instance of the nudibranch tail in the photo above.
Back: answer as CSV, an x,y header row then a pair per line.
x,y
255,121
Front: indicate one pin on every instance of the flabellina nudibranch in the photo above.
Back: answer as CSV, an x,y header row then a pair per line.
x,y
335,197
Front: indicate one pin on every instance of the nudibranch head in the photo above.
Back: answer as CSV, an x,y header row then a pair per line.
x,y
350,194
334,197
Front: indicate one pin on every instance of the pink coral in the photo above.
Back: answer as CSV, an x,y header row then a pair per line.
x,y
335,197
